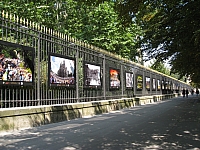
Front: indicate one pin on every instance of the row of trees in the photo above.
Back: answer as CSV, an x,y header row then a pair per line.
x,y
98,25
161,29
171,31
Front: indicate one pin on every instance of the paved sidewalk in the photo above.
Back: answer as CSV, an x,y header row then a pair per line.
x,y
186,130
172,124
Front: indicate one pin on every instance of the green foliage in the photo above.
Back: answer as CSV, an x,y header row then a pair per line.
x,y
100,26
97,23
172,32
160,67
126,9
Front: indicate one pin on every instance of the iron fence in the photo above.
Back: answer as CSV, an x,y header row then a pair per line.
x,y
39,45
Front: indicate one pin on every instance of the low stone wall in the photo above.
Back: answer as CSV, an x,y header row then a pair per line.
x,y
19,118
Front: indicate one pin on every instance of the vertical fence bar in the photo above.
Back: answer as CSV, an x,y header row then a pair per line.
x,y
9,93
1,102
13,97
77,77
104,77
122,78
47,40
38,71
23,98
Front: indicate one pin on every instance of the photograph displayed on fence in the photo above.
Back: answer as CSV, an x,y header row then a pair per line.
x,y
62,71
173,86
166,85
158,85
114,78
16,64
153,84
92,75
129,80
163,85
177,86
139,82
147,83
170,86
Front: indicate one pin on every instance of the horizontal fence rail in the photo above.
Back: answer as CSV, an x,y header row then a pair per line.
x,y
40,66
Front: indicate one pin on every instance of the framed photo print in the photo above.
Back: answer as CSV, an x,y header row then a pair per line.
x,y
115,82
166,85
139,83
16,64
61,71
153,84
158,85
129,80
163,85
92,75
147,82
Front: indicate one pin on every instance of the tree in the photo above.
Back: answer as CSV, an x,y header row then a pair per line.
x,y
126,9
171,31
160,67
98,25
45,13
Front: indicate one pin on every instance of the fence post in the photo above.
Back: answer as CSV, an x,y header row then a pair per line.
x,y
104,76
143,81
122,77
77,78
134,70
38,80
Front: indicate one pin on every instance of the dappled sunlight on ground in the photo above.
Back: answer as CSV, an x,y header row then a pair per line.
x,y
154,126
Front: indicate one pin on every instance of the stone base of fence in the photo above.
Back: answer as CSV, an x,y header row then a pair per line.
x,y
19,118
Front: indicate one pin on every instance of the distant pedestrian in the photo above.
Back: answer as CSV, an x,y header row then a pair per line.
x,y
192,92
186,92
183,92
197,92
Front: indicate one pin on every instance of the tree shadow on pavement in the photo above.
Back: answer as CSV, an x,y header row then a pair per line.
x,y
179,129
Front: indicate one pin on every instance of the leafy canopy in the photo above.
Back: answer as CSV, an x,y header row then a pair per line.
x,y
96,23
171,28
171,31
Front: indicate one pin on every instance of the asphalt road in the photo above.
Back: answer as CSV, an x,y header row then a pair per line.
x,y
170,124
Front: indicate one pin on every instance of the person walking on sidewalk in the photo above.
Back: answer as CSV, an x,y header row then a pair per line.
x,y
197,92
187,92
192,92
183,92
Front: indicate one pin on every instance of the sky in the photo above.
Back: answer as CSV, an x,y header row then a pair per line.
x,y
55,64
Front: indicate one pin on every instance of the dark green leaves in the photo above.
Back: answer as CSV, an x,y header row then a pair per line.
x,y
172,32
